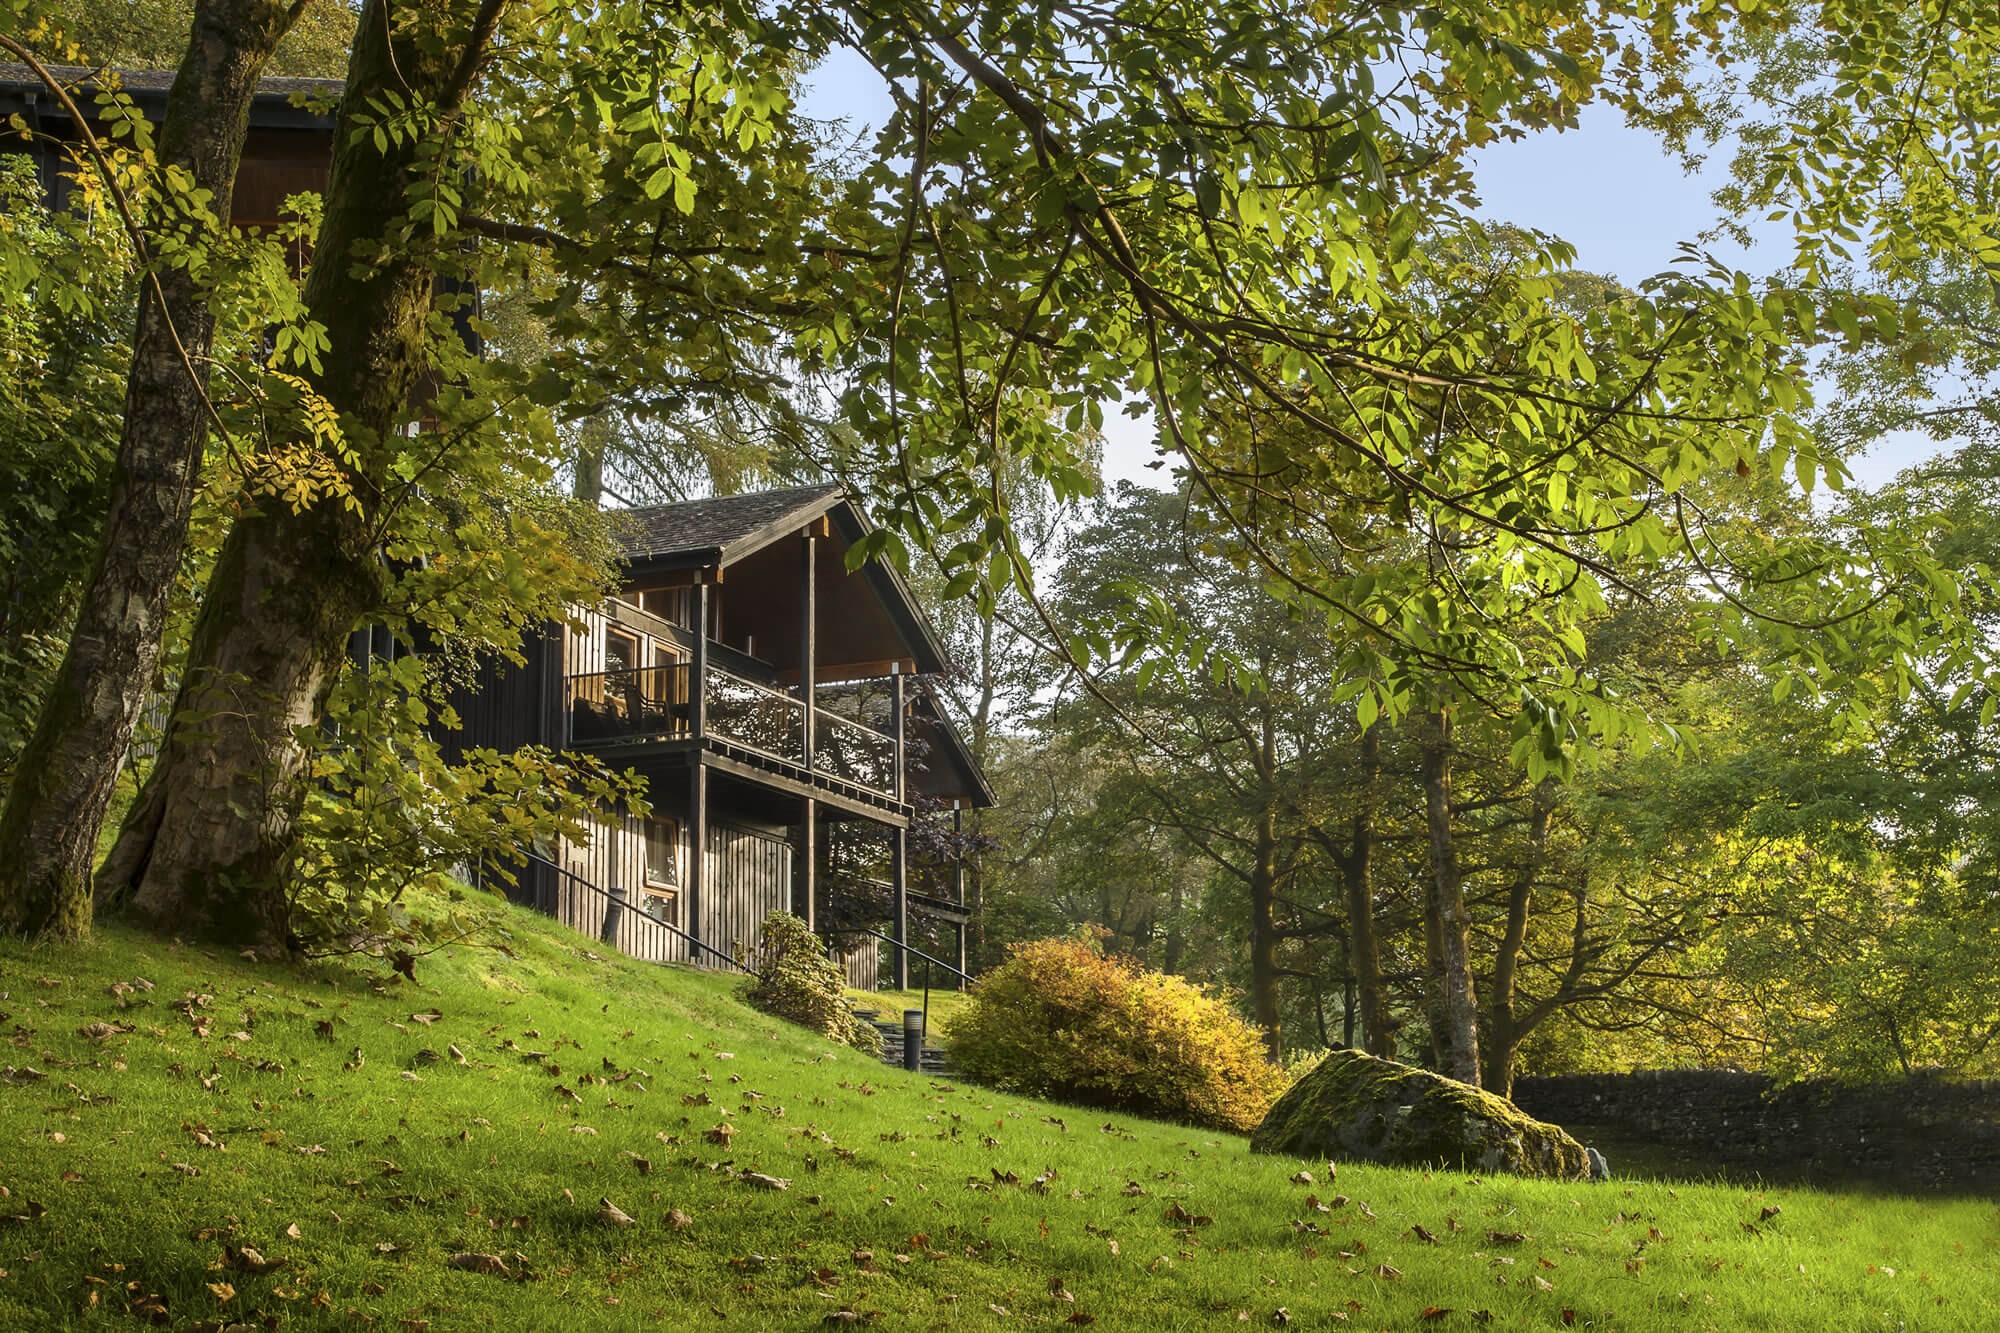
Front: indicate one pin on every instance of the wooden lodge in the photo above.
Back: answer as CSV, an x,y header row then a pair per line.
x,y
772,700
288,150
770,697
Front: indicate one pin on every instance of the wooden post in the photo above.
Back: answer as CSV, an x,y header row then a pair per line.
x,y
809,644
806,908
899,854
697,877
698,687
958,852
958,879
897,707
899,880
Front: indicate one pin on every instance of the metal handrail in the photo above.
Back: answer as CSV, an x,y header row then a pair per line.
x,y
923,1033
668,926
907,948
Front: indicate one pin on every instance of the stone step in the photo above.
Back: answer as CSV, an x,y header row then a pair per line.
x,y
933,1060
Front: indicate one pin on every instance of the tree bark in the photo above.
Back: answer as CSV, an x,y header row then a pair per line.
x,y
1449,999
1264,885
1364,952
1504,1030
1264,933
65,776
205,847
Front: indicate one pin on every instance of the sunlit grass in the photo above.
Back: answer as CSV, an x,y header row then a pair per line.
x,y
920,1202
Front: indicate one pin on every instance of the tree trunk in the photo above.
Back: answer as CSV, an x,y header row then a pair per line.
x,y
587,484
1264,934
1449,1001
1264,880
204,849
1364,951
64,779
1503,1033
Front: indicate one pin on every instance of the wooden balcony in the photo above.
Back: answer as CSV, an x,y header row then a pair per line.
x,y
686,703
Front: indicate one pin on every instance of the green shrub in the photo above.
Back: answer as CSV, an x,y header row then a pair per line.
x,y
1059,1019
802,985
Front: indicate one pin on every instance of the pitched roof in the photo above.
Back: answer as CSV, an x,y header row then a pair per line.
x,y
272,106
696,534
724,528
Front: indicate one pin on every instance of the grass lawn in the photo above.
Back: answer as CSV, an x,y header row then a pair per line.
x,y
240,1142
890,1004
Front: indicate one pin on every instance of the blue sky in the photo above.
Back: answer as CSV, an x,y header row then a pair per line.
x,y
1610,190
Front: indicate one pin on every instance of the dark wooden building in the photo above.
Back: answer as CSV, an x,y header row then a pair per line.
x,y
288,150
770,697
767,694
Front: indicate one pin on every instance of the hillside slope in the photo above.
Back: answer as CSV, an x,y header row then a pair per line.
x,y
244,1143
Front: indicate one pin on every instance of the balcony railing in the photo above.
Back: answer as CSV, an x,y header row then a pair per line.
x,y
851,750
756,716
659,704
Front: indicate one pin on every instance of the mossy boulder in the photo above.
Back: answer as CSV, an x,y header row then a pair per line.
x,y
1357,1107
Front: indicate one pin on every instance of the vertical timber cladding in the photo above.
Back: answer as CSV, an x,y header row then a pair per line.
x,y
862,963
505,707
749,877
618,856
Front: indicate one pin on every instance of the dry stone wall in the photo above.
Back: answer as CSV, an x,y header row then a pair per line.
x,y
1924,1135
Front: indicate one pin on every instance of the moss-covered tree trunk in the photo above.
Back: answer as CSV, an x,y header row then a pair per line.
x,y
204,848
64,779
1449,999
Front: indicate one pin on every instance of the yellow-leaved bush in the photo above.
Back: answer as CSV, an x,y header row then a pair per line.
x,y
1060,1019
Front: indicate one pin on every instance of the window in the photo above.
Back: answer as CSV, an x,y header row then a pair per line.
x,y
621,652
663,843
668,604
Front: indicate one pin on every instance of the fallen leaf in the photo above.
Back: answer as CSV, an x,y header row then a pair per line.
x,y
248,1260
473,1262
608,1211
